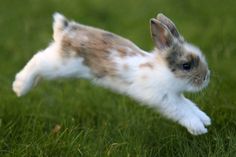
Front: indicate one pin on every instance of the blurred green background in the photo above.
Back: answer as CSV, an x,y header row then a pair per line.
x,y
74,118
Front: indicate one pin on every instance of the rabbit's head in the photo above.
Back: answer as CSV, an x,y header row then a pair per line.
x,y
184,60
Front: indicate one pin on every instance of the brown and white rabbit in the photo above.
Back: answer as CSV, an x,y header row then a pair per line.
x,y
157,79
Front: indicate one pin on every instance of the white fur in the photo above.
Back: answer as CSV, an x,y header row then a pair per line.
x,y
156,87
193,49
48,64
160,90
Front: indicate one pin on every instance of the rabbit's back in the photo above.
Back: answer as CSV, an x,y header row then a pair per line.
x,y
97,47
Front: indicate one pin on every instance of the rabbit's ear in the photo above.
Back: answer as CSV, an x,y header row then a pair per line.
x,y
169,24
161,34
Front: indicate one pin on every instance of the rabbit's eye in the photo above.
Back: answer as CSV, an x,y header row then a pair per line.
x,y
187,66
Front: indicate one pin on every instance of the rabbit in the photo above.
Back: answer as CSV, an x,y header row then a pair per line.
x,y
156,79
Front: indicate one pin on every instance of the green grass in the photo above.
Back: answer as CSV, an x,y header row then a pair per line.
x,y
97,122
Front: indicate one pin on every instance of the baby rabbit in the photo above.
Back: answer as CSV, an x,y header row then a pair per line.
x,y
156,79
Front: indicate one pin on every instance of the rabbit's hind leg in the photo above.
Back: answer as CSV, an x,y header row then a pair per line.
x,y
48,64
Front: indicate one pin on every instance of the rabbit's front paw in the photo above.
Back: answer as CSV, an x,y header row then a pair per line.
x,y
194,125
23,83
203,117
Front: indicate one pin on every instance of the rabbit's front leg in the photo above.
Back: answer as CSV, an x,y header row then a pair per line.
x,y
186,114
203,116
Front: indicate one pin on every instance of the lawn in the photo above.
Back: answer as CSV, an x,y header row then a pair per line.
x,y
74,118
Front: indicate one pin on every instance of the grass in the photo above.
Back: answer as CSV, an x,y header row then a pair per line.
x,y
75,118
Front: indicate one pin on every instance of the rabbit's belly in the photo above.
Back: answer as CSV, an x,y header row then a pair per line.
x,y
75,67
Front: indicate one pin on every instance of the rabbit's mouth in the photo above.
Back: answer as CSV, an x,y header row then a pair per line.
x,y
198,83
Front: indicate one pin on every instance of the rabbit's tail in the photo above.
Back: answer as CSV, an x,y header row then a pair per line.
x,y
59,24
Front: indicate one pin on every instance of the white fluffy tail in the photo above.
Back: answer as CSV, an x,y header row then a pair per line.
x,y
59,24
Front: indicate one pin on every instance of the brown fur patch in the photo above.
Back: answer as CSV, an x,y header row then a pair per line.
x,y
96,50
146,65
124,52
144,77
125,66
